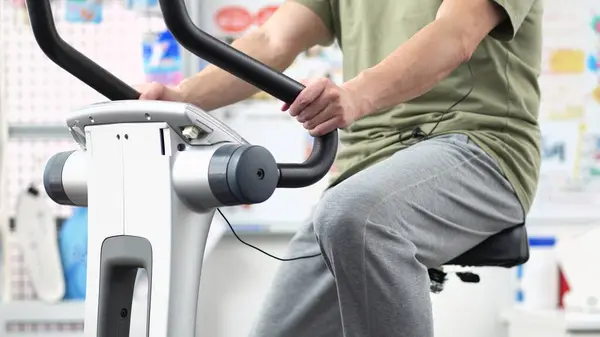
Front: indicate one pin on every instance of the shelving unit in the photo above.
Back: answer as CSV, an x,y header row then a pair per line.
x,y
532,323
30,318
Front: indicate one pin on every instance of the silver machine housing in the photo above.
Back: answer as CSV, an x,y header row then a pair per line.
x,y
150,203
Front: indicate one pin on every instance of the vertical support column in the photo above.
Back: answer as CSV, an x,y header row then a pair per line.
x,y
148,211
105,211
190,234
177,234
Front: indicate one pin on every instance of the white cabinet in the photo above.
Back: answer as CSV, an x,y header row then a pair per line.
x,y
526,323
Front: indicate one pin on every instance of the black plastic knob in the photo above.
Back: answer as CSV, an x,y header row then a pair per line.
x,y
53,180
242,174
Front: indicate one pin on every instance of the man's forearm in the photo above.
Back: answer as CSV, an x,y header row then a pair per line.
x,y
413,68
213,88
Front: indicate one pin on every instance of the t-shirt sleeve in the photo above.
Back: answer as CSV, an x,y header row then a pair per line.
x,y
516,12
323,9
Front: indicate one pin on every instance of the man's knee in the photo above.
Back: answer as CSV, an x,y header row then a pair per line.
x,y
342,214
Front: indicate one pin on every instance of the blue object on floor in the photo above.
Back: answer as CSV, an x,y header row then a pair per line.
x,y
72,241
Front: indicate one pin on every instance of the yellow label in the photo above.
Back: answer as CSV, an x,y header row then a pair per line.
x,y
567,61
596,94
572,112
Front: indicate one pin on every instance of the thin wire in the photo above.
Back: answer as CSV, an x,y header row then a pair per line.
x,y
417,132
319,254
260,250
457,102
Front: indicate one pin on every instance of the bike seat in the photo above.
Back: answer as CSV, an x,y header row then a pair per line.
x,y
507,249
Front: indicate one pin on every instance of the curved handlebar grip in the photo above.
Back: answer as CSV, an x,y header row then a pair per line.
x,y
261,76
314,168
65,56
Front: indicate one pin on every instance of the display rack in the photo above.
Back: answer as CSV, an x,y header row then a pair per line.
x,y
37,95
32,318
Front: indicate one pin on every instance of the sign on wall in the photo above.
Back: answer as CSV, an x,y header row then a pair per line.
x,y
570,112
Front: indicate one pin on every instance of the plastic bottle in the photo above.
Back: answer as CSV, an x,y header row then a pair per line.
x,y
73,251
539,278
162,58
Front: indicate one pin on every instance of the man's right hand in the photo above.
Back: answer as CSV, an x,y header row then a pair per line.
x,y
292,29
160,92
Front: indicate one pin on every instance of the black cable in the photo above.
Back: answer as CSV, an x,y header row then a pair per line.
x,y
418,133
457,102
260,250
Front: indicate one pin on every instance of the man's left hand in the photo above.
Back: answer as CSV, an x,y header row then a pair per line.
x,y
323,107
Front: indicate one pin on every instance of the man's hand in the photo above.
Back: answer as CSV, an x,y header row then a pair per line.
x,y
323,107
159,92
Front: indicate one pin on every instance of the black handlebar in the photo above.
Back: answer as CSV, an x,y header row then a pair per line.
x,y
261,76
203,45
65,56
220,54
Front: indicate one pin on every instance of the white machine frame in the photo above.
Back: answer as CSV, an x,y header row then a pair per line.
x,y
136,219
152,175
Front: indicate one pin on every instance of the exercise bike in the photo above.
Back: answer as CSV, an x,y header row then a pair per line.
x,y
153,173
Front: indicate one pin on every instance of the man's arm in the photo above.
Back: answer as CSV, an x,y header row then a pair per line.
x,y
428,57
413,68
290,30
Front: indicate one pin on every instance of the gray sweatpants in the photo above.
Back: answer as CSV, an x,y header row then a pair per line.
x,y
378,232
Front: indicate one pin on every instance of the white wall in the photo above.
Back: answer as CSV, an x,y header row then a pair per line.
x,y
235,278
473,310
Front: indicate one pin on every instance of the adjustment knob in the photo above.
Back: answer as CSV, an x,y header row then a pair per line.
x,y
242,174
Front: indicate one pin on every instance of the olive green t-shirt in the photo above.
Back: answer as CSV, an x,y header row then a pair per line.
x,y
500,114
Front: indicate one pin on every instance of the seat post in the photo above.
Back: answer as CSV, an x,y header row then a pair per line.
x,y
437,279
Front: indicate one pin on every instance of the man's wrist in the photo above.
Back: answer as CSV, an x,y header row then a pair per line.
x,y
358,89
184,88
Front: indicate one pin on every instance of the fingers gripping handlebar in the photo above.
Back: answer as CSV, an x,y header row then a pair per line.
x,y
203,45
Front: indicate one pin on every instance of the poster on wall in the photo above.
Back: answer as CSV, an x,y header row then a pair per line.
x,y
567,189
560,147
593,65
569,186
162,58
84,11
141,4
235,17
230,19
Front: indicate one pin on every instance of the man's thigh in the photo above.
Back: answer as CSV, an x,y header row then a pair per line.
x,y
444,194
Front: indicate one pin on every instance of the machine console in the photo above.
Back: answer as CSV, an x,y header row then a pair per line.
x,y
179,116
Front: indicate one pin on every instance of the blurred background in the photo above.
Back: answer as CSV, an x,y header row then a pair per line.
x,y
554,294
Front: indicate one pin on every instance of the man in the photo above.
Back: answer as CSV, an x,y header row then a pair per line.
x,y
440,150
